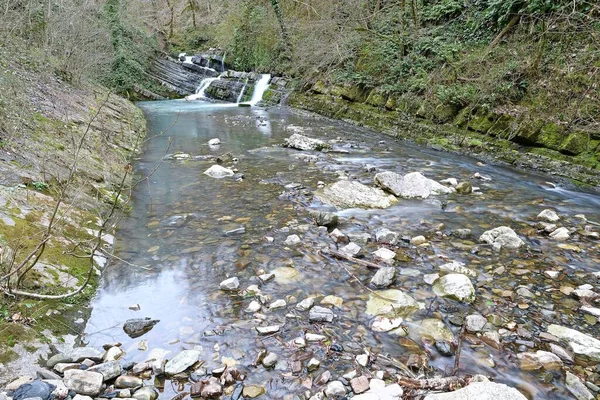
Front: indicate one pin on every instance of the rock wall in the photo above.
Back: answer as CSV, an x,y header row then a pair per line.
x,y
516,139
182,78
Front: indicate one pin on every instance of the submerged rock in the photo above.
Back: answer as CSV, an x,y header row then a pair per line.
x,y
577,388
502,237
464,188
218,172
548,215
391,303
136,327
384,277
320,314
580,344
302,142
350,194
181,362
410,186
456,286
230,284
480,391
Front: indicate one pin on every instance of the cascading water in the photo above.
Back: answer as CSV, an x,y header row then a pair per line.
x,y
200,91
242,91
260,87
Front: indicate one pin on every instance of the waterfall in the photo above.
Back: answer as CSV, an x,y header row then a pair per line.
x,y
188,59
200,91
223,63
260,87
242,92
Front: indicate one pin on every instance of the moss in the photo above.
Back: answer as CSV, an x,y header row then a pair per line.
x,y
576,143
348,92
481,122
376,98
551,136
528,132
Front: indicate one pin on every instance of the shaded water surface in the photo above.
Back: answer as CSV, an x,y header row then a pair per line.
x,y
182,238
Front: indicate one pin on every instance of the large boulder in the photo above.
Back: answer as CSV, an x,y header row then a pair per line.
x,y
480,391
301,142
391,303
502,237
84,382
580,344
456,286
350,194
410,186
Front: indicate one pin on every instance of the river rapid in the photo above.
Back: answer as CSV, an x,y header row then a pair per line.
x,y
187,232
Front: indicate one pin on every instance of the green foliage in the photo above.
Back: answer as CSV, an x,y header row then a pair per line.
x,y
40,186
442,10
132,49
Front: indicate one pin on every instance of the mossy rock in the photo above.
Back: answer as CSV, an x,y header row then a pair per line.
x,y
528,132
320,87
443,113
502,126
551,136
391,103
376,98
481,122
349,92
576,143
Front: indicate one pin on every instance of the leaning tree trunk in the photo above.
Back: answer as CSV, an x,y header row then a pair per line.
x,y
284,32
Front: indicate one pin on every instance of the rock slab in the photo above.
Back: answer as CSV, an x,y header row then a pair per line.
x,y
480,391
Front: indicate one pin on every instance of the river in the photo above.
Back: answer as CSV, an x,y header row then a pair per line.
x,y
182,237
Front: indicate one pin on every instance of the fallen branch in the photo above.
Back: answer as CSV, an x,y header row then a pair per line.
x,y
458,348
446,384
343,256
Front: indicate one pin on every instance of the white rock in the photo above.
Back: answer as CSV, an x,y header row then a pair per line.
x,y
305,304
579,343
335,390
548,215
458,268
292,240
362,359
351,249
83,382
214,142
384,277
480,391
384,235
279,303
561,233
418,240
181,362
383,324
577,388
410,186
351,194
502,237
314,337
450,181
218,172
320,314
384,254
253,307
475,323
302,142
457,286
267,330
230,284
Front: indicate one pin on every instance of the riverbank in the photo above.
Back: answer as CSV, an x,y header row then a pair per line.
x,y
498,137
61,142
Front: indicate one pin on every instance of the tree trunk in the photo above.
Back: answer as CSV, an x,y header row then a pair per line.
x,y
284,32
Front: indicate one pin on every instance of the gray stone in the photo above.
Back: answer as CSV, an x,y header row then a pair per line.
x,y
34,389
384,277
502,237
323,218
391,303
351,194
560,234
580,344
292,240
351,249
335,390
410,186
320,314
360,237
480,391
112,354
80,397
385,255
81,353
218,172
84,382
136,327
109,370
456,286
267,330
313,364
577,388
475,323
18,382
305,304
214,142
270,360
181,362
128,382
302,142
62,367
230,284
58,358
458,268
548,215
145,393
384,235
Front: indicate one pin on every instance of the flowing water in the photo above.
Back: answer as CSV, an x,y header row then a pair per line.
x,y
182,238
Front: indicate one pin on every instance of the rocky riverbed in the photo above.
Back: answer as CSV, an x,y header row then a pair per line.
x,y
299,258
